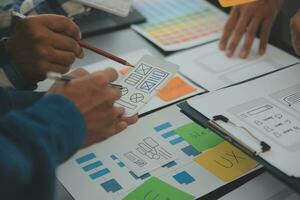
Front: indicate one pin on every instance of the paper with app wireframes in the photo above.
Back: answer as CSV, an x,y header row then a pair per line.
x,y
144,81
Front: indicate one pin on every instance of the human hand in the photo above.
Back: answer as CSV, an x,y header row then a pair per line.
x,y
247,20
44,43
295,32
95,97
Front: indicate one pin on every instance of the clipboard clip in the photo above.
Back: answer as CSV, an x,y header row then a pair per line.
x,y
228,136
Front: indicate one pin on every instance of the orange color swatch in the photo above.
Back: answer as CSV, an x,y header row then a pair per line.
x,y
124,70
176,88
229,3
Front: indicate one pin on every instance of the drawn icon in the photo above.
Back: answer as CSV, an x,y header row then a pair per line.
x,y
143,69
133,79
258,123
147,86
152,150
276,134
292,99
268,129
278,116
136,98
124,91
135,159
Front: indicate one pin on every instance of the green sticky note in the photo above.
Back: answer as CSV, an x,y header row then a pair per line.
x,y
200,138
155,189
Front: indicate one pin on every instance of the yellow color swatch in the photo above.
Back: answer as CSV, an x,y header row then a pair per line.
x,y
229,3
226,162
176,88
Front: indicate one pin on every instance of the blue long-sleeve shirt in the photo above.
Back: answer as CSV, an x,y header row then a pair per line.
x,y
36,134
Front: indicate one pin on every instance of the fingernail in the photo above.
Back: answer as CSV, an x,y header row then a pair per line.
x,y
222,46
229,53
80,36
243,54
262,51
81,55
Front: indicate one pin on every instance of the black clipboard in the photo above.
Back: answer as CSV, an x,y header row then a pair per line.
x,y
292,182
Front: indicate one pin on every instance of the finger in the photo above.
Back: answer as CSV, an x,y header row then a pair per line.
x,y
264,35
63,57
120,126
79,72
111,73
65,43
59,68
229,26
250,36
62,24
118,112
130,120
238,34
112,95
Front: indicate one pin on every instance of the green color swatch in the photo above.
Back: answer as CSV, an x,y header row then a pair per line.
x,y
155,189
200,138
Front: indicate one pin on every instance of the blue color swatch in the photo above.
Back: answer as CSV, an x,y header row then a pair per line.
x,y
184,178
100,173
111,186
176,140
85,158
92,166
162,126
190,151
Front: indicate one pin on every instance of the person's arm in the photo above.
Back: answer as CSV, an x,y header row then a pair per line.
x,y
33,142
246,21
295,32
16,100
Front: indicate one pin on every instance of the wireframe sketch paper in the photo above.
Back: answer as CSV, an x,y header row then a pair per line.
x,y
209,67
269,108
117,7
144,81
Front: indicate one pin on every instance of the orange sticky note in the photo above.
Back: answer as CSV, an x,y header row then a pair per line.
x,y
124,70
176,88
229,3
226,162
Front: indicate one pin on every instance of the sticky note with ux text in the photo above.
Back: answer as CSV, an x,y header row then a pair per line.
x,y
155,189
229,3
226,162
143,82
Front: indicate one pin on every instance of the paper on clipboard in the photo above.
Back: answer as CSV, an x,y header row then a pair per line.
x,y
269,108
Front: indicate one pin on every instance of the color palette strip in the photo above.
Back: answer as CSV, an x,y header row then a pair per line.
x,y
179,24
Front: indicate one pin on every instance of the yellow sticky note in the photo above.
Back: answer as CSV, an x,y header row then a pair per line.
x,y
229,3
226,162
176,88
124,70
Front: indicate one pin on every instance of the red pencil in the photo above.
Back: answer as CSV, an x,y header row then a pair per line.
x,y
104,53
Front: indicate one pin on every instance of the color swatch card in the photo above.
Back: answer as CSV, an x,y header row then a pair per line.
x,y
117,7
143,82
155,189
178,24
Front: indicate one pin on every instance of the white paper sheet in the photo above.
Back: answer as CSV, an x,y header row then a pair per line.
x,y
263,187
209,67
131,57
117,7
143,82
268,108
114,180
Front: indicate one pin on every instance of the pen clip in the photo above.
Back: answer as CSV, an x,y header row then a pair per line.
x,y
227,135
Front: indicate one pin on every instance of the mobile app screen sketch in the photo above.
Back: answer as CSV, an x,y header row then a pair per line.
x,y
143,82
